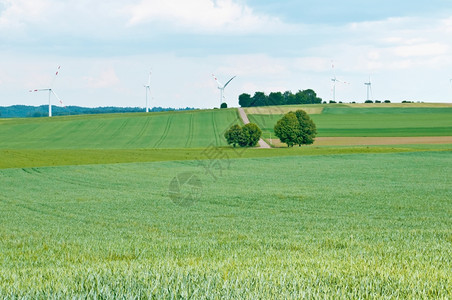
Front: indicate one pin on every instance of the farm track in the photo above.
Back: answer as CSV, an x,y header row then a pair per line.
x,y
165,132
89,182
215,130
141,132
191,129
118,130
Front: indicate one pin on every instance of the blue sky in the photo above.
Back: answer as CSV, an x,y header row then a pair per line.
x,y
107,48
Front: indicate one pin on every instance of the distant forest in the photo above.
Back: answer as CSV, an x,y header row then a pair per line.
x,y
26,111
277,98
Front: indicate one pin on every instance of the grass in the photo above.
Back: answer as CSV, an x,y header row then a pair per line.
x,y
345,121
41,158
189,129
332,226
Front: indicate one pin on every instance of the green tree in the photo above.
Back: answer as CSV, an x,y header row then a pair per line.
x,y
307,128
259,99
245,100
287,128
224,105
251,134
234,135
275,98
296,128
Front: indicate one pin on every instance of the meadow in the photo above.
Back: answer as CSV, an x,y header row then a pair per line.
x,y
339,121
157,206
188,129
324,226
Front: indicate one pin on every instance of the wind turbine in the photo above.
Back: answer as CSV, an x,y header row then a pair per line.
x,y
50,90
334,80
369,88
148,89
222,87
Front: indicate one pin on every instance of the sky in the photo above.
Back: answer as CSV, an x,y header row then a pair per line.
x,y
106,50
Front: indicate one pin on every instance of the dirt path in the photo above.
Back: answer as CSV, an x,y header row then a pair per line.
x,y
262,143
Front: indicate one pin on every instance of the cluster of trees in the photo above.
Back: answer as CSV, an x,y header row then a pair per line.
x,y
25,111
277,98
296,128
246,136
377,101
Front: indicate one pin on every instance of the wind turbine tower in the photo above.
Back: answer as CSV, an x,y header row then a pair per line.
x,y
222,87
369,88
334,80
50,90
148,90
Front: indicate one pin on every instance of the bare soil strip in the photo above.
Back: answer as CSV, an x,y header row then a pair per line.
x,y
355,141
283,109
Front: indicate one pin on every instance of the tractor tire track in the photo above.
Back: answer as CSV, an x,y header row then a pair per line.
x,y
141,132
165,132
191,129
87,181
215,130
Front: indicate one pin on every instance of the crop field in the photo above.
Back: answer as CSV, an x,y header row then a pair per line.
x,y
157,206
372,122
329,226
191,129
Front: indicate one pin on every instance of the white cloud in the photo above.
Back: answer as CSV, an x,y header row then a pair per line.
x,y
424,49
202,15
105,79
18,12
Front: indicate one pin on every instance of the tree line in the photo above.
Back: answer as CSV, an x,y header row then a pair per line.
x,y
277,98
26,111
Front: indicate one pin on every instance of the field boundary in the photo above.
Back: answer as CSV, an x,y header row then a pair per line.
x,y
375,141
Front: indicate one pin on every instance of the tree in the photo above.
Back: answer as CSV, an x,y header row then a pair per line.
x,y
224,105
259,99
307,128
275,98
251,134
246,136
296,128
245,100
286,129
234,135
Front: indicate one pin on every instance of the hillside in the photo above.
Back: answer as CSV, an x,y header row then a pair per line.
x,y
359,120
187,129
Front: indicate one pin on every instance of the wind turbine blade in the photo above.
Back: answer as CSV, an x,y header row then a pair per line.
x,y
229,81
58,98
56,74
219,84
38,90
149,79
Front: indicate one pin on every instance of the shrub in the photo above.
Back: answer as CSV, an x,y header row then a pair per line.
x,y
368,101
224,105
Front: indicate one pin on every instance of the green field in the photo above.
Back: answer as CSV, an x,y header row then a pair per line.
x,y
90,208
190,129
358,121
339,226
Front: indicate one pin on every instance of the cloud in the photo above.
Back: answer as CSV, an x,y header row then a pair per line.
x,y
201,15
107,78
423,49
18,12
